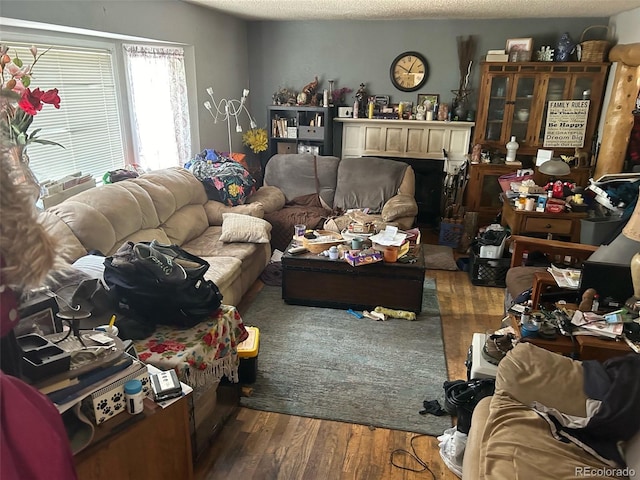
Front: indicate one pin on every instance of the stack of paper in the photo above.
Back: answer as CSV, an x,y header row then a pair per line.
x,y
593,324
566,277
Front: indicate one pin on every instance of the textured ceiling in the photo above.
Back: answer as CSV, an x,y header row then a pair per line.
x,y
415,9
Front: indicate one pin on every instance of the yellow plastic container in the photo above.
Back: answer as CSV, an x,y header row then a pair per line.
x,y
248,353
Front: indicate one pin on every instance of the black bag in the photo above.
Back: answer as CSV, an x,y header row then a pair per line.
x,y
163,284
461,398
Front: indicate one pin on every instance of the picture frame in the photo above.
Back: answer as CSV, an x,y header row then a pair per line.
x,y
431,97
519,49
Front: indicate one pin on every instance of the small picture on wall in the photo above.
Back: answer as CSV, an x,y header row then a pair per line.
x,y
432,98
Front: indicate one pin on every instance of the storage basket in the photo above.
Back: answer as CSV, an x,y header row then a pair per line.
x,y
488,272
594,50
450,234
318,247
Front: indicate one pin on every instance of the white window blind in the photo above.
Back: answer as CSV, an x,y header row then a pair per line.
x,y
88,122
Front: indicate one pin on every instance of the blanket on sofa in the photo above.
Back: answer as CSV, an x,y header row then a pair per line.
x,y
306,210
200,355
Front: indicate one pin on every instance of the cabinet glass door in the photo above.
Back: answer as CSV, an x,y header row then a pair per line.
x,y
522,108
582,88
497,103
555,91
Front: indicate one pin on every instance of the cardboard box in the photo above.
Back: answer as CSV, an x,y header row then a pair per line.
x,y
363,258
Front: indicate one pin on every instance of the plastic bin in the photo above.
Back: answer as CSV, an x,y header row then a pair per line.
x,y
248,353
450,234
595,231
488,272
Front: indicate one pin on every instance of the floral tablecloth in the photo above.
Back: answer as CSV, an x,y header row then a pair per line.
x,y
199,355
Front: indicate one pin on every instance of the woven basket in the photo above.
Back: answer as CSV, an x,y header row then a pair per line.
x,y
319,247
594,50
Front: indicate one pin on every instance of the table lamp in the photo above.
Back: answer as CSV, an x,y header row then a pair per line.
x,y
556,167
632,232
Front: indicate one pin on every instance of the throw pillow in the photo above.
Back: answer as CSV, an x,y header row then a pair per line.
x,y
244,228
399,206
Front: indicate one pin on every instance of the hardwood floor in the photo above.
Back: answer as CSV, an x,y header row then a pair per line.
x,y
263,445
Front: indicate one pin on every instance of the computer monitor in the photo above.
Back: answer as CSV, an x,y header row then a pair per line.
x,y
612,282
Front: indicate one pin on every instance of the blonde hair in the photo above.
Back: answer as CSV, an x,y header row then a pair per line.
x,y
29,253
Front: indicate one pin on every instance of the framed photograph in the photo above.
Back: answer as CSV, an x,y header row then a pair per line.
x,y
519,49
433,98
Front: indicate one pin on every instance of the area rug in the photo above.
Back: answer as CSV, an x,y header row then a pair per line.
x,y
438,257
325,363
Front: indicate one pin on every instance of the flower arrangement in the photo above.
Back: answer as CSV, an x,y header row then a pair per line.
x,y
255,139
338,96
18,102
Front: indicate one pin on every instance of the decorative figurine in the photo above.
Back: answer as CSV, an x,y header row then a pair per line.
x,y
545,54
565,48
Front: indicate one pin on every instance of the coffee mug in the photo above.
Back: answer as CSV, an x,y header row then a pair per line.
x,y
356,243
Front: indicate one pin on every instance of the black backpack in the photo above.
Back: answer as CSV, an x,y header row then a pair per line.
x,y
162,284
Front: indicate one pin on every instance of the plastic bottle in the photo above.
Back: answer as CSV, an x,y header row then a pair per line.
x,y
134,396
525,317
356,106
525,257
512,148
595,306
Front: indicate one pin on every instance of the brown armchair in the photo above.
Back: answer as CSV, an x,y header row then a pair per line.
x,y
521,278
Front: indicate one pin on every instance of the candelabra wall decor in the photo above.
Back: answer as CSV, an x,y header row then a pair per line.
x,y
227,110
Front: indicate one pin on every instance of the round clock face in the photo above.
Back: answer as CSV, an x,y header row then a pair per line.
x,y
409,71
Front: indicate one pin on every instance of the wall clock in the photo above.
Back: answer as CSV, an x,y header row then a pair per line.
x,y
409,71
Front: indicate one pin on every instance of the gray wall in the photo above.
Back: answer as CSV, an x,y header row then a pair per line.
x,y
290,53
221,57
231,54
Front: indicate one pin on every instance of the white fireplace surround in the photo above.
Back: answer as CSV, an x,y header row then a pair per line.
x,y
413,139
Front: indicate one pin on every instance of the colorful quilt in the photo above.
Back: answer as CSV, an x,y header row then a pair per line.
x,y
200,355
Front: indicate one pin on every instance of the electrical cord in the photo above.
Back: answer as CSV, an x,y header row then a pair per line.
x,y
414,455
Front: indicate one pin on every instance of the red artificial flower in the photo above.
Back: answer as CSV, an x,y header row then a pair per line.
x,y
143,356
31,101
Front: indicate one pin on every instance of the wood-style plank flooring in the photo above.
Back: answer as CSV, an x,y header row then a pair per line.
x,y
263,445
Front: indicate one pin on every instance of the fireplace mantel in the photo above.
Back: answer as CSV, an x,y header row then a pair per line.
x,y
413,139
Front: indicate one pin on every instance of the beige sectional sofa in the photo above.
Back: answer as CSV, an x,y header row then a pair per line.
x,y
170,206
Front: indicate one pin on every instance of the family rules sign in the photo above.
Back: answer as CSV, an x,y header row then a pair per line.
x,y
566,123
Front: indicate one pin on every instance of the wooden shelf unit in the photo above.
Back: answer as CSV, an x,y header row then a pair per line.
x,y
312,129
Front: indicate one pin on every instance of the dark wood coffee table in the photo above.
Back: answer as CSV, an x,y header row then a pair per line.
x,y
314,280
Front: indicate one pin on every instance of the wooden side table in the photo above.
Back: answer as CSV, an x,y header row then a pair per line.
x,y
153,444
522,222
587,347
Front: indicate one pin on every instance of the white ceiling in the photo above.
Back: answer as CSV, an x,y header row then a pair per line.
x,y
415,9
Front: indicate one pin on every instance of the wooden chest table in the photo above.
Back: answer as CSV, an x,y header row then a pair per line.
x,y
314,280
522,222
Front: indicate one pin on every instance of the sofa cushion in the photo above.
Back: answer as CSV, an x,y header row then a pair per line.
x,y
214,211
295,175
516,443
367,182
271,198
399,206
244,228
523,374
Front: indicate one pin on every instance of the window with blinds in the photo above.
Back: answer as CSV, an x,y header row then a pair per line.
x,y
88,123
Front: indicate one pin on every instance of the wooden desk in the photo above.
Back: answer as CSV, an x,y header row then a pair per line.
x,y
522,222
156,446
587,347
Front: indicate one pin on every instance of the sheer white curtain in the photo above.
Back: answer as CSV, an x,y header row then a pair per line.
x,y
160,114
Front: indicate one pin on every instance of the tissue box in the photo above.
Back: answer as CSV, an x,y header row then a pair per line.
x,y
363,258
